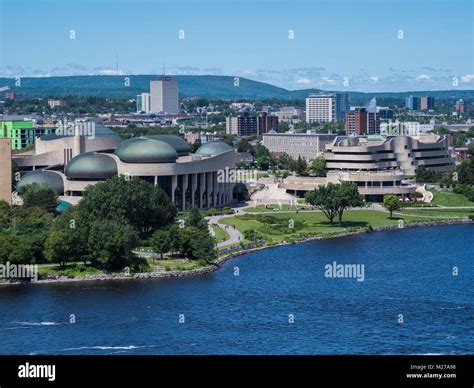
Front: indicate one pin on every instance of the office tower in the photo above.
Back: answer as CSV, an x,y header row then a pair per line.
x,y
266,123
139,103
342,105
412,103
143,103
6,170
426,103
164,96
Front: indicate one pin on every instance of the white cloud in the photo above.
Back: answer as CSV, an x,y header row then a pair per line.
x,y
329,80
303,81
423,77
110,72
467,78
375,78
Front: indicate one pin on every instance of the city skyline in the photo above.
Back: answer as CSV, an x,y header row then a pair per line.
x,y
353,47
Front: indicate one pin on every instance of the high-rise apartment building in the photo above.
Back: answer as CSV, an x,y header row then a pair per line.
x,y
326,107
164,96
360,121
266,123
242,125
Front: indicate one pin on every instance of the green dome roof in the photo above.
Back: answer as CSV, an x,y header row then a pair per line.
x,y
179,144
91,165
51,179
214,148
146,150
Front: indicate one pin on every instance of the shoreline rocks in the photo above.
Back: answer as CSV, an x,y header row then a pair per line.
x,y
218,263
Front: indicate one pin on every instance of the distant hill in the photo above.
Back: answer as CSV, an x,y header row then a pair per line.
x,y
208,86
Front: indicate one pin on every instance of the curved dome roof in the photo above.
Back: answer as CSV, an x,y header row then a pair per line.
x,y
213,148
146,150
91,165
51,179
179,144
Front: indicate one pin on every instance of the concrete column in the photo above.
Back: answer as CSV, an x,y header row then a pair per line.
x,y
185,187
209,188
193,188
174,185
215,186
202,187
156,180
231,191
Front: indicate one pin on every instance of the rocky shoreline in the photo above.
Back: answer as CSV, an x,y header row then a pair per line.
x,y
218,263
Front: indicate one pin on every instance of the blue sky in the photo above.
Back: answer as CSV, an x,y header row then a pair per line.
x,y
248,38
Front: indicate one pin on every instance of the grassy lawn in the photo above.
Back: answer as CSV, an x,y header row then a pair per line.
x,y
220,234
437,212
263,209
446,198
176,264
70,270
309,223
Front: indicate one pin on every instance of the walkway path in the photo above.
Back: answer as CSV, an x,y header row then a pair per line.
x,y
235,235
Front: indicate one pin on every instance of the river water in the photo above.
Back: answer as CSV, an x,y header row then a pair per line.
x,y
275,301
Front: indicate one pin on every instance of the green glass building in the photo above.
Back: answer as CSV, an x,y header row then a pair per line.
x,y
21,132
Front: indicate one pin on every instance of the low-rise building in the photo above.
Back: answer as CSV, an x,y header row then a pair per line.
x,y
403,153
21,132
307,145
371,185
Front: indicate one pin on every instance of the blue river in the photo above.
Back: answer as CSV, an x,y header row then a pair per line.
x,y
275,301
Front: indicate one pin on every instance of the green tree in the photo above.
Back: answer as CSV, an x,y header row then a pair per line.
x,y
391,203
318,167
325,199
195,218
197,244
285,162
134,201
110,244
348,196
66,240
334,199
300,166
466,172
162,241
245,146
39,195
